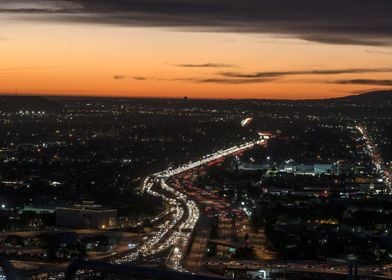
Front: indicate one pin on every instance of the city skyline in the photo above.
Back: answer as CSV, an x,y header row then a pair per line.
x,y
220,187
247,49
196,139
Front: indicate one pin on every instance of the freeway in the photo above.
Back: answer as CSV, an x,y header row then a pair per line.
x,y
208,158
176,231
377,159
177,181
184,232
87,232
213,206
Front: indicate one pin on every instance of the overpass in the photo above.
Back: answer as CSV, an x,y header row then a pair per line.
x,y
185,216
226,243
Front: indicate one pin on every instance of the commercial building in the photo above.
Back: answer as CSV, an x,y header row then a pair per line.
x,y
86,215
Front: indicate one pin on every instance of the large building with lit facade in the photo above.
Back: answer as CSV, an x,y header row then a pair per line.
x,y
86,215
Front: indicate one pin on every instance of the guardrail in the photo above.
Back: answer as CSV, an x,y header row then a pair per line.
x,y
134,271
131,271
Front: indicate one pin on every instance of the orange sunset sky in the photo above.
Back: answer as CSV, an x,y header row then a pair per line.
x,y
40,56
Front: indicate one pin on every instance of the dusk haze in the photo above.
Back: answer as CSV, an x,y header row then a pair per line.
x,y
195,139
204,49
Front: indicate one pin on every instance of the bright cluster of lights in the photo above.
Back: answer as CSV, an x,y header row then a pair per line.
x,y
176,232
193,216
208,158
378,162
169,232
175,257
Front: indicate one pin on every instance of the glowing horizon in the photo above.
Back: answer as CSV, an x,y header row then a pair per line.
x,y
47,57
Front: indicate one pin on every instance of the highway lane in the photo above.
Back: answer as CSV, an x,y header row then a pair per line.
x,y
172,237
377,159
216,205
195,258
169,233
185,201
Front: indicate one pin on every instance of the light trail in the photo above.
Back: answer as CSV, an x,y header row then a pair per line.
x,y
186,212
377,160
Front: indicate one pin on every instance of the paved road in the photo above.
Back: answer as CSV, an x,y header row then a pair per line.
x,y
164,237
376,157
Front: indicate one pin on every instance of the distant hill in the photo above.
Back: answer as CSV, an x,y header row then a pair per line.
x,y
28,103
54,104
372,98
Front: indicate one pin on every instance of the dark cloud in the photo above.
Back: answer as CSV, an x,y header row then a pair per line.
x,y
121,77
364,22
36,11
276,74
139,78
364,82
208,80
40,6
206,65
227,81
273,76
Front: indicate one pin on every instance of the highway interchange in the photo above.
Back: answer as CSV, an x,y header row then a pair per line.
x,y
172,229
184,204
188,234
182,231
